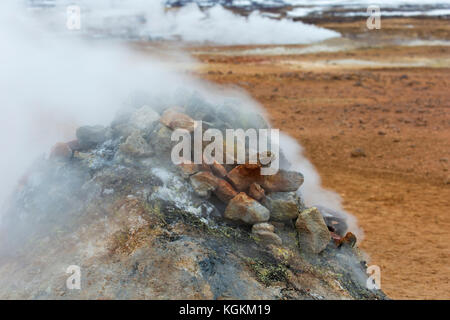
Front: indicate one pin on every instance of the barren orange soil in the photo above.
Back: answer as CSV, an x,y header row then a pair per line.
x,y
395,105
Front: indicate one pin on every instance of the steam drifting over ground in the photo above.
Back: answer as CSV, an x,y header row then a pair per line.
x,y
140,19
52,83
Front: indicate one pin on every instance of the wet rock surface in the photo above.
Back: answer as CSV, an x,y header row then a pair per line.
x,y
140,227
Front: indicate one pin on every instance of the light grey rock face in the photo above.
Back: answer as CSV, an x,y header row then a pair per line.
x,y
145,118
312,230
90,136
160,140
246,209
283,206
136,146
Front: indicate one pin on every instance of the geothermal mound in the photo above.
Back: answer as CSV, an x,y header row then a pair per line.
x,y
140,227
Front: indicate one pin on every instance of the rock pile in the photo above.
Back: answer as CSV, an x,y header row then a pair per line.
x,y
141,227
250,198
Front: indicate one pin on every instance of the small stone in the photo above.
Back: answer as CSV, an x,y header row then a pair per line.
x,y
269,237
282,181
61,151
243,176
256,191
203,183
246,209
357,153
136,146
263,226
90,136
188,169
218,169
348,240
224,191
283,206
312,230
144,118
177,120
336,238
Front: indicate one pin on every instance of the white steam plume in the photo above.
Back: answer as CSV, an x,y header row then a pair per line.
x,y
52,84
150,19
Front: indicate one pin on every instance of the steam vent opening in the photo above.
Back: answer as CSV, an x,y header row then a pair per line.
x,y
154,147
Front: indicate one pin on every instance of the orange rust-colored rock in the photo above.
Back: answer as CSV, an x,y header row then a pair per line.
x,y
256,191
243,176
246,209
336,238
205,182
177,120
348,240
188,169
218,169
282,181
224,191
61,151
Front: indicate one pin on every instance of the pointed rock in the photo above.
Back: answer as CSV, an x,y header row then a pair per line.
x,y
246,209
312,230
